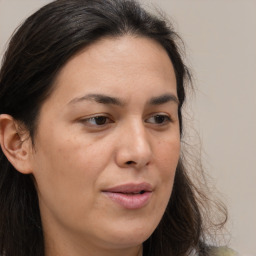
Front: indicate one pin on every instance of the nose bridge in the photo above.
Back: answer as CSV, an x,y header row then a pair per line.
x,y
134,144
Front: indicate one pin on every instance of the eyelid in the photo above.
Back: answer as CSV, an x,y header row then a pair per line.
x,y
86,120
91,123
168,118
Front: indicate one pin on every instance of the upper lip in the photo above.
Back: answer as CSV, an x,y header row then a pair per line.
x,y
130,188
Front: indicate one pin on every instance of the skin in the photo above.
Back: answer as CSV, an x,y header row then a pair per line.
x,y
75,156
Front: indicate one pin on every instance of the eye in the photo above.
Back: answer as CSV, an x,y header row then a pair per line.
x,y
97,120
159,119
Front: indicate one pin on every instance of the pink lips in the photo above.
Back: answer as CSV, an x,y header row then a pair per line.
x,y
130,196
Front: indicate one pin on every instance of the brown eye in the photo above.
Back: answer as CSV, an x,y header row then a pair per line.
x,y
100,120
159,119
97,120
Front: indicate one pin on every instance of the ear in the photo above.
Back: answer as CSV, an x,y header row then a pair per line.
x,y
16,144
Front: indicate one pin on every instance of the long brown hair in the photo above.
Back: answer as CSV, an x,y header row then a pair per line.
x,y
36,53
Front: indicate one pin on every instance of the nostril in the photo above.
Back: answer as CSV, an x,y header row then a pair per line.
x,y
130,162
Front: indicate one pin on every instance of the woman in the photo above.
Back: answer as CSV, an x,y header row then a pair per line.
x,y
91,94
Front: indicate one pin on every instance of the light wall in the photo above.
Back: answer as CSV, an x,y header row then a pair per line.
x,y
220,36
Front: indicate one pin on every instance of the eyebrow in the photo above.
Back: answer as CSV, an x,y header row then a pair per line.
x,y
99,98
109,100
162,99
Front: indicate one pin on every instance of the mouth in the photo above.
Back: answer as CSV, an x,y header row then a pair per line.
x,y
130,196
133,193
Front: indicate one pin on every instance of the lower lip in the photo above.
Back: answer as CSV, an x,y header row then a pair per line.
x,y
130,201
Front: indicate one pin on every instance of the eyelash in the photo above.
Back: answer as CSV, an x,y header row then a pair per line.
x,y
105,120
163,118
97,118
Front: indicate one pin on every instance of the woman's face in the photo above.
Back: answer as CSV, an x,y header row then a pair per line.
x,y
107,146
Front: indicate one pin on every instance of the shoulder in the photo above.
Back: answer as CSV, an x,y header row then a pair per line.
x,y
222,251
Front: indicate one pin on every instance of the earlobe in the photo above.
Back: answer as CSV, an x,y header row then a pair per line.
x,y
15,144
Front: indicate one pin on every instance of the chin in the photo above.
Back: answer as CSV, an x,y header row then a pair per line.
x,y
129,237
126,242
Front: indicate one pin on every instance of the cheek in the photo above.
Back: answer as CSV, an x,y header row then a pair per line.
x,y
69,165
168,153
66,173
167,161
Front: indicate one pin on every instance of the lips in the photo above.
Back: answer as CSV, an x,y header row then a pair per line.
x,y
130,196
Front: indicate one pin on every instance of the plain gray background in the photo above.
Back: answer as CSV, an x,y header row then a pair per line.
x,y
220,37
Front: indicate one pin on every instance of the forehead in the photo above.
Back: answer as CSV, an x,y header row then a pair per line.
x,y
112,65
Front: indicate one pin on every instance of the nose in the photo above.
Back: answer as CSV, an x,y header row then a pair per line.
x,y
133,147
